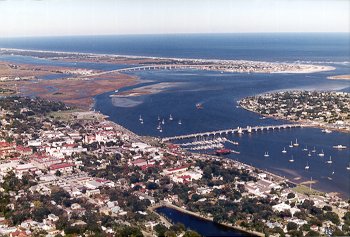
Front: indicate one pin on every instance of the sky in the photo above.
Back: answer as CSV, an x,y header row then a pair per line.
x,y
113,17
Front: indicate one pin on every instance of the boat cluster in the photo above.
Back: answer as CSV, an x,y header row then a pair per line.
x,y
205,141
161,122
214,145
310,153
207,144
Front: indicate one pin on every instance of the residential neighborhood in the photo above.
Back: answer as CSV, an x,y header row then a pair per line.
x,y
330,110
88,176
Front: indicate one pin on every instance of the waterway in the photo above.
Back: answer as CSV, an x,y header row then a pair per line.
x,y
219,94
203,227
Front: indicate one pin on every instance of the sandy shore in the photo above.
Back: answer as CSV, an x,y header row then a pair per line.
x,y
308,68
340,77
250,65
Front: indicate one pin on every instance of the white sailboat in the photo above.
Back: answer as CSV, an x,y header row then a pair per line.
x,y
309,154
291,144
314,150
163,122
307,166
305,149
291,160
179,122
284,150
348,167
296,143
321,154
330,160
266,154
140,118
170,117
158,118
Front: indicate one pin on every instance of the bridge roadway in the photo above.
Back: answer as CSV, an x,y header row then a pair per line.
x,y
163,67
237,130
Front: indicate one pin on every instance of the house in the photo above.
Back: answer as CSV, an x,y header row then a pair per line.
x,y
92,192
284,207
92,184
175,170
53,217
25,168
62,167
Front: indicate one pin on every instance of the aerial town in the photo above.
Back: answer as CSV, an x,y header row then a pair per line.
x,y
69,172
329,110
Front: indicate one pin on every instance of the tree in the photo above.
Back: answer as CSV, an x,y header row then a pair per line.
x,y
312,233
191,233
347,218
292,226
160,229
40,213
290,195
327,208
151,185
338,232
128,231
333,217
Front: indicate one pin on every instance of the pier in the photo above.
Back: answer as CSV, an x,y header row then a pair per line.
x,y
237,130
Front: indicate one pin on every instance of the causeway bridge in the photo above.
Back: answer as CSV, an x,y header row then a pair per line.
x,y
238,130
164,67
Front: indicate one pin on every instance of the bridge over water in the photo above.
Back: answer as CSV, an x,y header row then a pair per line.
x,y
237,130
163,67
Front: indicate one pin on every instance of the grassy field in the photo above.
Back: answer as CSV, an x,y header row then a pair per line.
x,y
306,190
65,115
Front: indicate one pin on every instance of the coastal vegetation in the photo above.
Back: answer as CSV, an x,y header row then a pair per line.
x,y
318,108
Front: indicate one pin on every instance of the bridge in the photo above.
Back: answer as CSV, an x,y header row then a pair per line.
x,y
164,67
237,130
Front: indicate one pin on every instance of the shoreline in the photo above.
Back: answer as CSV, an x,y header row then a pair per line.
x,y
312,68
339,77
307,123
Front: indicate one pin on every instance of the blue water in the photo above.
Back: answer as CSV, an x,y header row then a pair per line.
x,y
219,93
270,47
203,227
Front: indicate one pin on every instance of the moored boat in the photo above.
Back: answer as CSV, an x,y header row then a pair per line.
x,y
199,106
321,154
284,150
222,152
339,147
307,166
296,143
291,159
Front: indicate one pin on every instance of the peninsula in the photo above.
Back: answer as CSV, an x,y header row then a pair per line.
x,y
329,110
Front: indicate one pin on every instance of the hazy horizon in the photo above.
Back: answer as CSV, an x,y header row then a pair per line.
x,y
31,18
